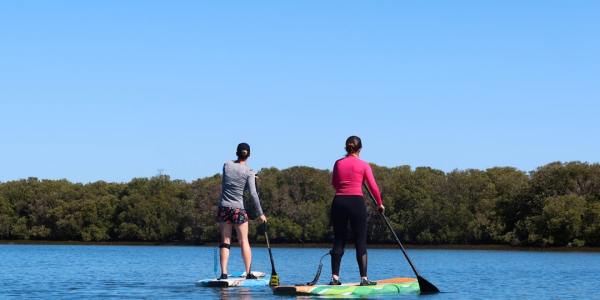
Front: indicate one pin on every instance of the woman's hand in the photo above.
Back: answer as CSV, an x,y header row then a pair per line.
x,y
262,219
381,208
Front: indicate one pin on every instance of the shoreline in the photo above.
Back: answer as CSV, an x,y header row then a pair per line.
x,y
489,247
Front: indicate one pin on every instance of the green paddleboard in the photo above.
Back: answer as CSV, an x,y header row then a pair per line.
x,y
383,287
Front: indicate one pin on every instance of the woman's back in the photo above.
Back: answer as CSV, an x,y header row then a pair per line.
x,y
349,173
236,178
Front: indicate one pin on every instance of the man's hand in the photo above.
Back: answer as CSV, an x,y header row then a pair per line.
x,y
381,208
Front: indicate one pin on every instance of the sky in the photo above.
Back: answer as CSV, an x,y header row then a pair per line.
x,y
112,90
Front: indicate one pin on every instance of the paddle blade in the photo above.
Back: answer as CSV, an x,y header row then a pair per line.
x,y
426,287
274,281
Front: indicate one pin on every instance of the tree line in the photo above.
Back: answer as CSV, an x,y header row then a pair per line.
x,y
558,204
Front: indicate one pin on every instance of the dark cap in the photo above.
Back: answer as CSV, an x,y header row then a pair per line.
x,y
241,147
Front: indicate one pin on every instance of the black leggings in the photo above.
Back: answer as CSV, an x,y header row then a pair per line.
x,y
354,210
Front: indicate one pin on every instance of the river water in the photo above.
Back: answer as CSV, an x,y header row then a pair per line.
x,y
66,271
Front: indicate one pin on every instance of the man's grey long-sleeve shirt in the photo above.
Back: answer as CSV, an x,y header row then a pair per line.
x,y
237,178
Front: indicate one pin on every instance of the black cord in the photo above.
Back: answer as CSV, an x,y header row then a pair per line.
x,y
314,281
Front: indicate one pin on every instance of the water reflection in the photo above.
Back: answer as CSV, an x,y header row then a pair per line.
x,y
235,293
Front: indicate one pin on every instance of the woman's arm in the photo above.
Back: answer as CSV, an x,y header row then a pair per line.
x,y
334,176
251,183
370,179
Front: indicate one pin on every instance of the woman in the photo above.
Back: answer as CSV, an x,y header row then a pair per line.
x,y
349,173
237,177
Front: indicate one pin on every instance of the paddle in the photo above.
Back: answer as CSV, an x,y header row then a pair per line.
x,y
425,286
215,262
274,277
274,281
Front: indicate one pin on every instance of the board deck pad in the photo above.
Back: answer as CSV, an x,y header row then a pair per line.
x,y
236,280
398,285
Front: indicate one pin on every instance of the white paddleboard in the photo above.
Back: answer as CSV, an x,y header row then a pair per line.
x,y
236,280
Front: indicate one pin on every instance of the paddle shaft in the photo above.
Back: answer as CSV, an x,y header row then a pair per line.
x,y
270,254
274,281
215,262
387,222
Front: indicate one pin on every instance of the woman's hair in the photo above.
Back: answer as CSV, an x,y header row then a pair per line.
x,y
353,144
243,151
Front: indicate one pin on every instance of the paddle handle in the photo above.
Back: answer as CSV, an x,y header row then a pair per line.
x,y
387,222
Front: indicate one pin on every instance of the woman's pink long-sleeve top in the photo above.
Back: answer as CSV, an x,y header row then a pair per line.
x,y
348,176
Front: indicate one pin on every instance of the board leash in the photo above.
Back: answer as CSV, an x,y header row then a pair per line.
x,y
318,274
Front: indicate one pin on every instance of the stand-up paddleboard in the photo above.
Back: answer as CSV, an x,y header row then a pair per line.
x,y
383,287
236,280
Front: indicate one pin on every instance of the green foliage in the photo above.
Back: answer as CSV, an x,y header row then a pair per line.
x,y
591,227
563,219
6,217
556,205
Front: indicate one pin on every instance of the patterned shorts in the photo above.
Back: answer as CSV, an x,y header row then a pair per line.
x,y
232,215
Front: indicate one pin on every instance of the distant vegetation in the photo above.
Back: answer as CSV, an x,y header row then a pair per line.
x,y
556,205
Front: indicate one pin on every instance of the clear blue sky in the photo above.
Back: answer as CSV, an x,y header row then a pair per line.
x,y
110,90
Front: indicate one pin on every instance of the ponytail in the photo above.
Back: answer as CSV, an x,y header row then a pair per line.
x,y
243,151
353,145
243,155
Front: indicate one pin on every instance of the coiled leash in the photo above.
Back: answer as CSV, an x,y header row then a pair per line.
x,y
314,281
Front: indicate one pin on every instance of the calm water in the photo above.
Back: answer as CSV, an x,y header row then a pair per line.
x,y
54,271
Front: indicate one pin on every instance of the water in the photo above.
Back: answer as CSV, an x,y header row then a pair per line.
x,y
65,271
